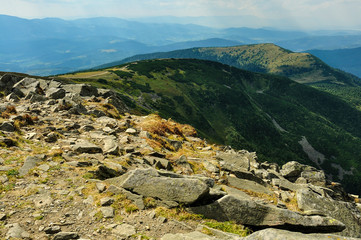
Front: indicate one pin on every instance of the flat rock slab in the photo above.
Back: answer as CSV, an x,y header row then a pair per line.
x,y
86,147
248,185
66,236
346,212
29,163
149,183
275,234
234,161
248,212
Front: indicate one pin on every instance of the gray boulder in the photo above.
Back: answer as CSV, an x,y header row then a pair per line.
x,y
149,183
83,90
292,170
346,212
277,234
232,161
315,177
27,85
7,82
244,210
55,93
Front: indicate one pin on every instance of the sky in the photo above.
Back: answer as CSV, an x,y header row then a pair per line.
x,y
302,14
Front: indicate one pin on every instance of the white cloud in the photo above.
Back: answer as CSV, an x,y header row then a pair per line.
x,y
304,13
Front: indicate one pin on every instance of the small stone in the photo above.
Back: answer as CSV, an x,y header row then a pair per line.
x,y
7,127
52,229
66,236
162,219
51,138
108,212
3,179
101,187
107,201
131,131
2,216
124,231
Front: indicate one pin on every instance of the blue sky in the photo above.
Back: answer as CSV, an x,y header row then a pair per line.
x,y
305,14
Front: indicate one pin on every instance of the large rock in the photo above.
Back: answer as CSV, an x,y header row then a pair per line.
x,y
55,93
233,161
277,234
346,212
314,176
244,210
8,81
27,85
83,90
149,183
292,170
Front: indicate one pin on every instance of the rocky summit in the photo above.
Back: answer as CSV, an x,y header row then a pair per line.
x,y
74,164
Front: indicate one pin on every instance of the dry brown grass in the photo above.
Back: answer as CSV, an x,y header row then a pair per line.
x,y
154,124
8,112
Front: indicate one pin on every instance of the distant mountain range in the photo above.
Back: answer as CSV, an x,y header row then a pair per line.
x,y
50,46
348,60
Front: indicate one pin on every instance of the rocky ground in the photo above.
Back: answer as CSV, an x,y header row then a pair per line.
x,y
75,165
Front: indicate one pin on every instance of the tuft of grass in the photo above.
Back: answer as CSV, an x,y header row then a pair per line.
x,y
98,216
229,227
8,111
88,175
12,172
178,213
149,202
293,205
131,208
121,202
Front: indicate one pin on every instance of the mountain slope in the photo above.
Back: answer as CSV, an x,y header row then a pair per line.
x,y
269,58
279,118
346,59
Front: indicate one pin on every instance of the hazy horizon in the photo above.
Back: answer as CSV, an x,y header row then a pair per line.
x,y
281,14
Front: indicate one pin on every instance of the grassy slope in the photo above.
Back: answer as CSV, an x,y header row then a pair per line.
x,y
230,106
269,58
